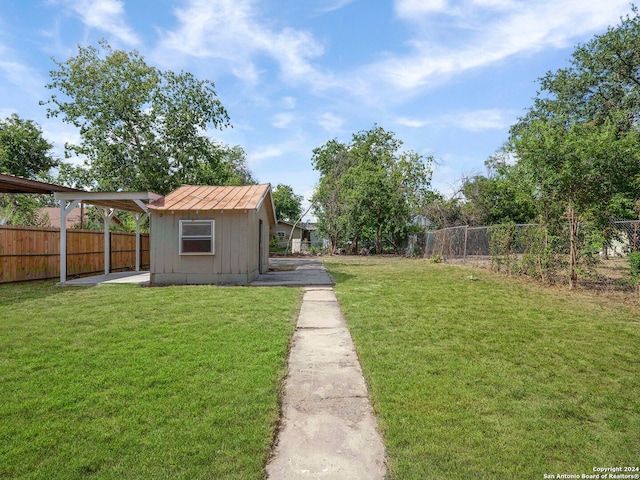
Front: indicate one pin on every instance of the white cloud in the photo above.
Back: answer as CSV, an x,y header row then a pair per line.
x,y
487,31
499,4
330,122
61,133
412,8
105,15
333,5
474,120
21,75
411,122
282,120
289,102
479,120
260,154
232,31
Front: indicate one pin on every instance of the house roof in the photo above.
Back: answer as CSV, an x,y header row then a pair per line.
x,y
299,225
72,218
215,198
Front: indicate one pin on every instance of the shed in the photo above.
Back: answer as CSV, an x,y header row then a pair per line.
x,y
211,235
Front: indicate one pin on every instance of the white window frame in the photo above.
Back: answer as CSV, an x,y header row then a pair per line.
x,y
282,235
198,237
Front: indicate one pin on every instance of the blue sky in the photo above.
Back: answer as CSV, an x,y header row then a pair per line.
x,y
449,77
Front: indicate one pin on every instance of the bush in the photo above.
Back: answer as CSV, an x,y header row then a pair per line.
x,y
634,263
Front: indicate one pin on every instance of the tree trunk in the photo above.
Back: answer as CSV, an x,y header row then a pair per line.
x,y
333,244
573,247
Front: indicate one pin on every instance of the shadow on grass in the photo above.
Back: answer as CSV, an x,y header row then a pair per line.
x,y
13,293
340,276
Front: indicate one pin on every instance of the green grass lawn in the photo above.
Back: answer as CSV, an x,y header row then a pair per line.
x,y
491,377
119,381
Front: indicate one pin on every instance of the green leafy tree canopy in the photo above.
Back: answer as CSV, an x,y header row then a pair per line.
x,y
368,189
579,146
288,204
23,149
142,128
26,153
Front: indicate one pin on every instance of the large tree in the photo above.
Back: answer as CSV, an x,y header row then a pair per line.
x,y
288,204
141,128
23,149
24,152
578,146
500,197
368,188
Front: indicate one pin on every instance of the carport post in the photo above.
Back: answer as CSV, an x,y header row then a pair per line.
x,y
139,218
107,213
64,210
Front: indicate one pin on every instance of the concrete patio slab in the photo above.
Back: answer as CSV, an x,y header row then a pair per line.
x,y
294,272
138,278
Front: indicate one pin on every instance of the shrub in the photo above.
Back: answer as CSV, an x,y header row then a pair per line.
x,y
634,263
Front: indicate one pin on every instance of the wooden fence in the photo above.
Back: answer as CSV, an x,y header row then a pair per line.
x,y
34,253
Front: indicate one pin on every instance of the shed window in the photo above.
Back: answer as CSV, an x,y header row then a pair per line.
x,y
281,234
196,237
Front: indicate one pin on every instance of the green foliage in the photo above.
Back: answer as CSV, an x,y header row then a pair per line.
x,y
23,149
526,250
498,198
142,128
26,153
288,204
443,212
578,148
368,189
436,259
22,209
634,265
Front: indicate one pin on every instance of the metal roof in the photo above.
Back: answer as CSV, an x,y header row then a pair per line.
x,y
212,198
129,201
13,184
193,197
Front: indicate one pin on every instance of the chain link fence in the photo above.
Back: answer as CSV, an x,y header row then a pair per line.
x,y
531,249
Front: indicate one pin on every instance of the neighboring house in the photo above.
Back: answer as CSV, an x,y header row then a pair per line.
x,y
76,218
282,232
315,238
73,219
211,235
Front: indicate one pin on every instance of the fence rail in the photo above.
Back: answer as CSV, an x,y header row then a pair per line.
x,y
34,253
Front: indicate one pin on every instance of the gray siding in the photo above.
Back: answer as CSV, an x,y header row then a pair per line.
x,y
235,260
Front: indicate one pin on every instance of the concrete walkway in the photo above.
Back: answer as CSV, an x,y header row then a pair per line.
x,y
328,428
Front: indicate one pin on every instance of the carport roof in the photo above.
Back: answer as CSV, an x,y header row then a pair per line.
x,y
14,184
128,201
